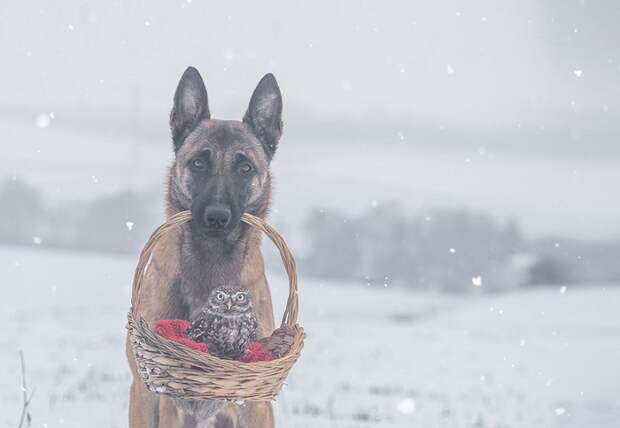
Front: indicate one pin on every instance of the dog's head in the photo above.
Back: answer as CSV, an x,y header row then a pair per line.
x,y
221,167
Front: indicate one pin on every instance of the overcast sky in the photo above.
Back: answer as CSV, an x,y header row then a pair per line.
x,y
525,95
483,64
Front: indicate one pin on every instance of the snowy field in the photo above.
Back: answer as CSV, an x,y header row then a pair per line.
x,y
374,356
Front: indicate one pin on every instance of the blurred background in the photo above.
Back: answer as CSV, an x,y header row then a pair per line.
x,y
448,177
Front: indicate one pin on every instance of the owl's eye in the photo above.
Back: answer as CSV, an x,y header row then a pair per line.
x,y
219,296
240,297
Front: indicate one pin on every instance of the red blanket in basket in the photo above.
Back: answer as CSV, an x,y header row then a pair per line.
x,y
174,330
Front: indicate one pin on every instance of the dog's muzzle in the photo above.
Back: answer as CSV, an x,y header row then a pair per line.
x,y
217,217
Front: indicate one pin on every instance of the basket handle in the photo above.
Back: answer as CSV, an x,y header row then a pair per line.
x,y
291,312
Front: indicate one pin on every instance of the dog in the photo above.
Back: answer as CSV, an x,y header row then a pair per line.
x,y
221,170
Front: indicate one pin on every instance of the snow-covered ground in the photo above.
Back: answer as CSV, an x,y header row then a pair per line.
x,y
374,356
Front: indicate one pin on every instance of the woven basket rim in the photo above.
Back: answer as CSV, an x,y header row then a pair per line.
x,y
203,357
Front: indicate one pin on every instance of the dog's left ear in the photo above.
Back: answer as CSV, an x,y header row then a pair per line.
x,y
191,105
264,113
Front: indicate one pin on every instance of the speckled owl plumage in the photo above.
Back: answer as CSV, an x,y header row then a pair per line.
x,y
227,323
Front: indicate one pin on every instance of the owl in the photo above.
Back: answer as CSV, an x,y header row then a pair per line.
x,y
227,323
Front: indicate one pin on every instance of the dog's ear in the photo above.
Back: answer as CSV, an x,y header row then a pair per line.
x,y
264,113
191,105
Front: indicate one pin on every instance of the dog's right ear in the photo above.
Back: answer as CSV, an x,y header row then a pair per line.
x,y
191,105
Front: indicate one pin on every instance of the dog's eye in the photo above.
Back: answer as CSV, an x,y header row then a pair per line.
x,y
246,168
199,163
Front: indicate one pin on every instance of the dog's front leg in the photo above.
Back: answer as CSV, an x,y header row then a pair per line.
x,y
143,406
256,414
199,409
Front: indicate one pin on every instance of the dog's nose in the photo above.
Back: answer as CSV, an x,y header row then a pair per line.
x,y
217,217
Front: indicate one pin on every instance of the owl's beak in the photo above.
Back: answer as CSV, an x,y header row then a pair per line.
x,y
229,304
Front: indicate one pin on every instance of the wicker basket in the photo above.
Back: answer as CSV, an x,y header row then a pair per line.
x,y
173,369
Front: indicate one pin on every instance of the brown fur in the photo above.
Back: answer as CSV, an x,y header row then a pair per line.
x,y
189,263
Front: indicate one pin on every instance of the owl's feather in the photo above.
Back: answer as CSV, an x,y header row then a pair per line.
x,y
227,324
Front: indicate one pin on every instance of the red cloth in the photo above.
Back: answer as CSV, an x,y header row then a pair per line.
x,y
174,330
256,352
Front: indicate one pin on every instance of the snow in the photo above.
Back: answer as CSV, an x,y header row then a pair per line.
x,y
374,356
43,120
406,407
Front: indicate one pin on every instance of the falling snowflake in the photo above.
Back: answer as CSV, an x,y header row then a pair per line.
x,y
477,281
43,120
563,289
36,240
560,411
70,27
407,406
578,73
129,225
449,69
452,250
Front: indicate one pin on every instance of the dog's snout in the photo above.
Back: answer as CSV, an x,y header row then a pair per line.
x,y
217,217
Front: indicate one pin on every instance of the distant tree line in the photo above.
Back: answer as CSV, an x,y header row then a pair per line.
x,y
119,223
448,249
442,249
454,250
